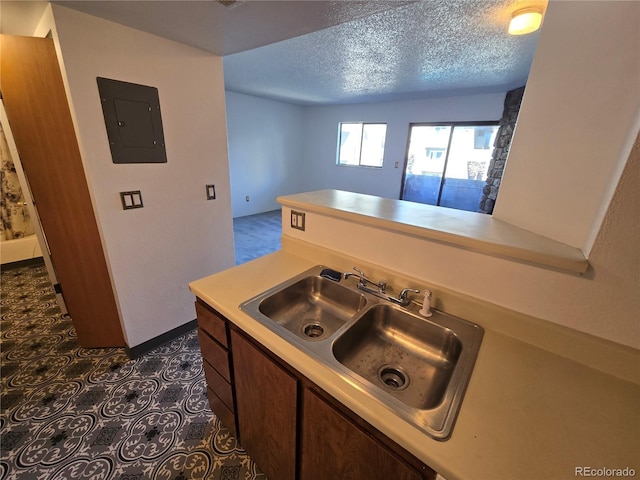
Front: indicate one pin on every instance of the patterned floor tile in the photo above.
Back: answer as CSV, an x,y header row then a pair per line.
x,y
73,413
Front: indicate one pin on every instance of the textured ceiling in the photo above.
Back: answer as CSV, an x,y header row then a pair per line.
x,y
427,48
221,29
329,52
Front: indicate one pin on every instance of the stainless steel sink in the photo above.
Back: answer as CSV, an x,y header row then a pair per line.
x,y
313,308
411,358
417,367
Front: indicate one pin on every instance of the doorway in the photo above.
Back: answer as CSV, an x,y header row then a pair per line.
x,y
33,227
33,93
446,164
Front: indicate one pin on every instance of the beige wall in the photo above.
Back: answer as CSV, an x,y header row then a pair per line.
x,y
604,302
579,117
578,121
153,252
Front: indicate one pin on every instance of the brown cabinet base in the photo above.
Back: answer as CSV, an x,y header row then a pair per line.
x,y
266,399
290,427
213,334
226,416
334,447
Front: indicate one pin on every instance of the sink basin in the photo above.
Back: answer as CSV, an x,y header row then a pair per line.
x,y
411,358
418,368
312,308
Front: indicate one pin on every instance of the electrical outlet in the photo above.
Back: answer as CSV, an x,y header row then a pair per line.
x,y
297,220
246,199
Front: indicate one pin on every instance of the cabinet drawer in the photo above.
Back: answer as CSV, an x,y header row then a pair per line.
x,y
219,385
215,354
226,416
212,323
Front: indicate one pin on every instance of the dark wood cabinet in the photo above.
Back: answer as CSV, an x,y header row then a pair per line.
x,y
334,447
213,335
267,404
290,427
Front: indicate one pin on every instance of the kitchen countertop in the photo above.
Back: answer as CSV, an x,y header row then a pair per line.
x,y
530,411
469,230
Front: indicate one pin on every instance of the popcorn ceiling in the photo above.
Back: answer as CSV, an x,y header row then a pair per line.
x,y
431,47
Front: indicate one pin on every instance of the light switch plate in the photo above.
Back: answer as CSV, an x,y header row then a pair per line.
x,y
211,192
132,199
297,220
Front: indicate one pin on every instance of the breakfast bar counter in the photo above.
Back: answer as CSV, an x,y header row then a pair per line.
x,y
533,409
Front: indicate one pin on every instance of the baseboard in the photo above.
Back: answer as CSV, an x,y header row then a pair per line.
x,y
29,262
139,350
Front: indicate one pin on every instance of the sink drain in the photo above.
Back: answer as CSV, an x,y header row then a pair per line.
x,y
313,330
393,377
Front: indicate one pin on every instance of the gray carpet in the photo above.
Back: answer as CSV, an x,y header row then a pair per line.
x,y
68,412
257,235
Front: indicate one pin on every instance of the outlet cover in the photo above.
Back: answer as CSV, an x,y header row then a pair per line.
x,y
297,220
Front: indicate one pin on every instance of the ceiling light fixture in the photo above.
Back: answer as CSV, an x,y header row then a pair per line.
x,y
525,21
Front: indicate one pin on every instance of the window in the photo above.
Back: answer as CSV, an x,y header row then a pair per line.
x,y
447,164
361,144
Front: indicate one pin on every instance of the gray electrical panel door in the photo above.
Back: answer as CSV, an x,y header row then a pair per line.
x,y
134,124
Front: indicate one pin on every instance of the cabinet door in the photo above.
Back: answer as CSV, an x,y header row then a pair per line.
x,y
266,409
335,448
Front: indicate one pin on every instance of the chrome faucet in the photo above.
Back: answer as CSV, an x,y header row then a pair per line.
x,y
363,281
380,288
403,298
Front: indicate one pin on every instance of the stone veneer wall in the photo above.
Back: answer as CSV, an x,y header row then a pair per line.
x,y
512,103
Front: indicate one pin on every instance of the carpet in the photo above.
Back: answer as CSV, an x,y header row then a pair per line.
x,y
257,235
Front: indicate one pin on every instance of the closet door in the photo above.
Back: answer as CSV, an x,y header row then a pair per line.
x,y
36,105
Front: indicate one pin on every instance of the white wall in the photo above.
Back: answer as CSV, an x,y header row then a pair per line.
x,y
153,252
321,170
277,148
266,141
578,117
577,123
604,302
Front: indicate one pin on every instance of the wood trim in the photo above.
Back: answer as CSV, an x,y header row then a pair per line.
x,y
36,103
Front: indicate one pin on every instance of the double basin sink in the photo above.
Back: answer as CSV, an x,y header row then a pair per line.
x,y
418,367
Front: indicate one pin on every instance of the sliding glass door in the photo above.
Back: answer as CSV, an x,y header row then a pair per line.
x,y
447,164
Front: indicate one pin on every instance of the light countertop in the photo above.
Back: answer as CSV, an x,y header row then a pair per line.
x,y
469,230
529,411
